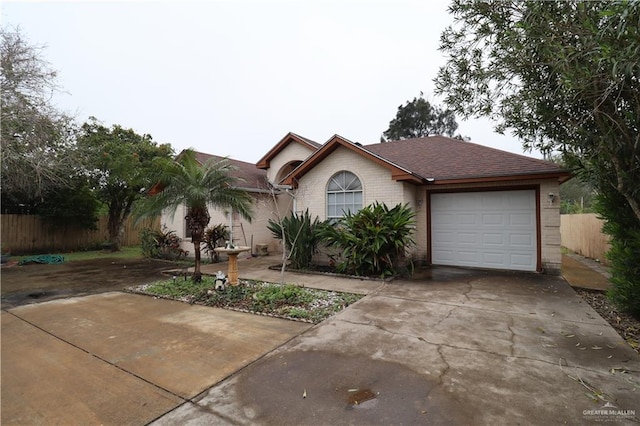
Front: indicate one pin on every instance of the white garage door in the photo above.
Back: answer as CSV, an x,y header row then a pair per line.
x,y
495,229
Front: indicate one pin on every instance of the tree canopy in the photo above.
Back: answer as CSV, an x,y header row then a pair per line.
x,y
121,165
186,182
418,118
563,76
37,140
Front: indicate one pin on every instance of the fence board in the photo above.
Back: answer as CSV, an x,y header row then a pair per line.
x,y
22,234
582,234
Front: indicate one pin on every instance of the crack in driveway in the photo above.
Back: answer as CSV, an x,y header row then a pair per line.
x,y
476,350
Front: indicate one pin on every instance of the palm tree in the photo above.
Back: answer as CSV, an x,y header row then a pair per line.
x,y
198,187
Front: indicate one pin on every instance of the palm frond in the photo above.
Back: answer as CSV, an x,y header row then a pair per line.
x,y
187,182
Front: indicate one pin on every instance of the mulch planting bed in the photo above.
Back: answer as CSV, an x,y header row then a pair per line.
x,y
627,326
286,301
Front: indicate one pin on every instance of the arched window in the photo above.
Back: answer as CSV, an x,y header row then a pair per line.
x,y
286,169
344,194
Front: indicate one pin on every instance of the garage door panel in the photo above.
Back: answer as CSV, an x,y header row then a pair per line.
x,y
496,259
518,261
492,239
466,219
445,238
469,257
490,201
521,240
495,219
520,200
494,229
468,238
443,257
520,219
442,219
464,204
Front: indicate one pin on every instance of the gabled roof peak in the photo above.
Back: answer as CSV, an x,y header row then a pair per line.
x,y
290,137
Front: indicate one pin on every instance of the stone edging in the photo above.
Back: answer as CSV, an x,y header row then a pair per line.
x,y
229,308
333,274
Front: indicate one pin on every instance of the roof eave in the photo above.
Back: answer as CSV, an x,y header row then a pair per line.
x,y
561,176
397,173
407,177
265,161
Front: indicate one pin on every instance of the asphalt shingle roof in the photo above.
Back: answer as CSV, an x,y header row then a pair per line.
x,y
444,158
253,177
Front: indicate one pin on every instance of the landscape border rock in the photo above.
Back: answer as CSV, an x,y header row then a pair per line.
x,y
333,274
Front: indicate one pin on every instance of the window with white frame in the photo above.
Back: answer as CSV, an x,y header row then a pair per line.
x,y
344,194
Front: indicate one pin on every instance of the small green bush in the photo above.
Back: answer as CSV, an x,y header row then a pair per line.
x,y
300,235
180,287
288,294
371,242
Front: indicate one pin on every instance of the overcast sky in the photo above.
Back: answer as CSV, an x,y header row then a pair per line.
x,y
232,78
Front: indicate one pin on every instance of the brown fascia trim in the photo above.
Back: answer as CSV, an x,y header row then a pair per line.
x,y
397,173
264,162
407,177
561,176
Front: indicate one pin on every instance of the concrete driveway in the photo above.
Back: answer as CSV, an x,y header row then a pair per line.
x,y
451,347
118,359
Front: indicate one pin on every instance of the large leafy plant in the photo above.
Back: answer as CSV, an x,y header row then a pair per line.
x,y
214,237
299,235
372,242
161,244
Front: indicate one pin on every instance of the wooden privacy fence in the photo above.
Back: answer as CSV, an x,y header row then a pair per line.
x,y
582,233
24,234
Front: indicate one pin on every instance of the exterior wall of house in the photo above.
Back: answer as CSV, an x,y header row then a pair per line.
x,y
377,184
550,226
292,152
419,251
549,218
263,210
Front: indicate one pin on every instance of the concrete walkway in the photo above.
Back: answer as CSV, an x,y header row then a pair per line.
x,y
258,268
582,272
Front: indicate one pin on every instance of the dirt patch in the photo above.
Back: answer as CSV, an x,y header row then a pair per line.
x,y
37,283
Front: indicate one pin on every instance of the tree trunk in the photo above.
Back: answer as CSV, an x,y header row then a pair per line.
x,y
197,275
118,214
197,221
114,227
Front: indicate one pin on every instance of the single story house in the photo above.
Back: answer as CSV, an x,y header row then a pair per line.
x,y
475,206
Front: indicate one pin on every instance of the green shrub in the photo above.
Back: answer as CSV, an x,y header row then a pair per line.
x,y
371,242
277,295
300,235
215,236
161,244
624,254
179,287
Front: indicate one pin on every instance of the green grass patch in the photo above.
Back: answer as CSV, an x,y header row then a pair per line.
x,y
285,301
133,252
